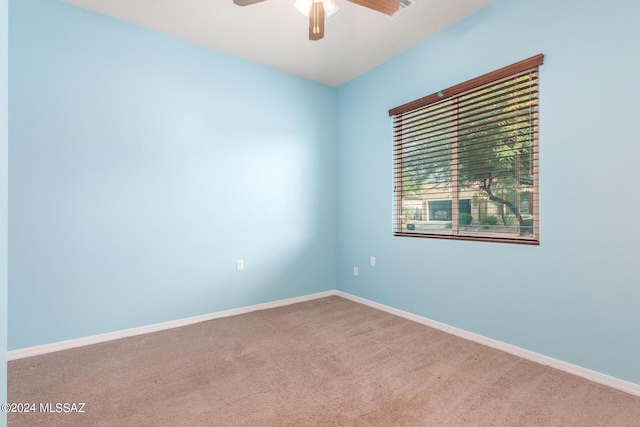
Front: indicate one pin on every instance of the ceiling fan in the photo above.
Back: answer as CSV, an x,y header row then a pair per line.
x,y
317,9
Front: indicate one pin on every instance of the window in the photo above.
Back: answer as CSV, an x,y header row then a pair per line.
x,y
466,159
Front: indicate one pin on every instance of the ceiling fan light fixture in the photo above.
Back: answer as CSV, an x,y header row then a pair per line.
x,y
304,7
330,7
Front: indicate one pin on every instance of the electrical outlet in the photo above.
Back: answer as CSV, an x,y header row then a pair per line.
x,y
239,265
373,261
355,271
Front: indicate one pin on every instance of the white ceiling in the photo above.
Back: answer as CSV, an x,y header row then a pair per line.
x,y
274,33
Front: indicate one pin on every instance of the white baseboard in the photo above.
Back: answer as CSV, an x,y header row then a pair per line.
x,y
613,382
95,339
597,377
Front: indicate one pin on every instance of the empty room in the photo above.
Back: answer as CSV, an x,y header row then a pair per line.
x,y
323,213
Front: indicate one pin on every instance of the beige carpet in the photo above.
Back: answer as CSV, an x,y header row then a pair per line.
x,y
328,362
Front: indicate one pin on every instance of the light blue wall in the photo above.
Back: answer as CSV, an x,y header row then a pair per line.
x,y
143,166
4,199
577,296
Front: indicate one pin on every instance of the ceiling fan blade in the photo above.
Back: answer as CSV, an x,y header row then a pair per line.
x,y
246,2
316,21
388,7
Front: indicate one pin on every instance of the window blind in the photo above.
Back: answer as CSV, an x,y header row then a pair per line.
x,y
466,159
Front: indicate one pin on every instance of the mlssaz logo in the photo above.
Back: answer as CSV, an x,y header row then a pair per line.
x,y
62,408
